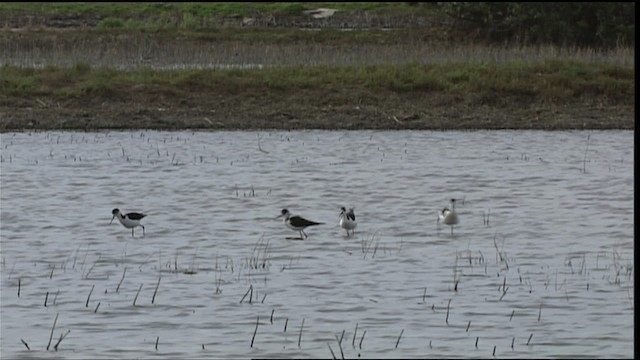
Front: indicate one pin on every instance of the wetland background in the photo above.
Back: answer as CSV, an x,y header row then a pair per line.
x,y
89,66
540,266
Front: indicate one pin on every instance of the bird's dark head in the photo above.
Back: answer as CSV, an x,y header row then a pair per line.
x,y
284,213
115,213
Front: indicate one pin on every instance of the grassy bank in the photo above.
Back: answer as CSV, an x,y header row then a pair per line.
x,y
159,9
204,17
555,81
275,65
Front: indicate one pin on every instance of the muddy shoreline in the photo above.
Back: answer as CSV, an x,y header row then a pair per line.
x,y
304,111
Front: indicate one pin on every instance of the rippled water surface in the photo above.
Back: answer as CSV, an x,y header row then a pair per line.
x,y
541,264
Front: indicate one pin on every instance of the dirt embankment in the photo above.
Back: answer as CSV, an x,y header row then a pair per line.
x,y
315,108
309,109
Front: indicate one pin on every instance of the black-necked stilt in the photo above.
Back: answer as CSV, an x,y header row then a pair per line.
x,y
130,220
448,215
296,222
348,220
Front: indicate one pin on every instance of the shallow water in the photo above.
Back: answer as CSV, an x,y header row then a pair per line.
x,y
550,275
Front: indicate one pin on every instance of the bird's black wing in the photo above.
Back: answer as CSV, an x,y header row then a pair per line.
x,y
135,216
298,221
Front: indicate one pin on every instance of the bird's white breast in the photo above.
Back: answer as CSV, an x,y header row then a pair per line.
x,y
347,224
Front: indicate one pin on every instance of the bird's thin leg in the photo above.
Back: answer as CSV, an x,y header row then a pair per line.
x,y
451,230
132,232
303,233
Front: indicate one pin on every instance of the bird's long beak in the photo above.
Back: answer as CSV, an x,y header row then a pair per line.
x,y
110,222
279,216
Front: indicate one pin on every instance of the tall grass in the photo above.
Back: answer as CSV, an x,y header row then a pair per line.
x,y
200,9
553,80
125,49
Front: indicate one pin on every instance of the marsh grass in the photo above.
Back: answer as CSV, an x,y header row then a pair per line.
x,y
551,81
265,47
199,16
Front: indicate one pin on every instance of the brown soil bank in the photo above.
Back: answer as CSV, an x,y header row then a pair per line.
x,y
309,109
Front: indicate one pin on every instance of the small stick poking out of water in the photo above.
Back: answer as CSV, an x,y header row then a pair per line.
x,y
584,161
153,298
62,336
361,339
468,325
247,293
157,339
52,328
138,293
285,325
120,283
353,342
398,342
530,336
18,287
88,297
333,356
340,345
255,331
540,312
447,318
477,338
300,335
25,344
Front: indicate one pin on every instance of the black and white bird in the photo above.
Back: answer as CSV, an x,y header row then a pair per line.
x,y
297,223
130,220
448,215
348,220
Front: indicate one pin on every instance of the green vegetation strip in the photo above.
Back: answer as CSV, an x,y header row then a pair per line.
x,y
195,16
201,9
552,80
